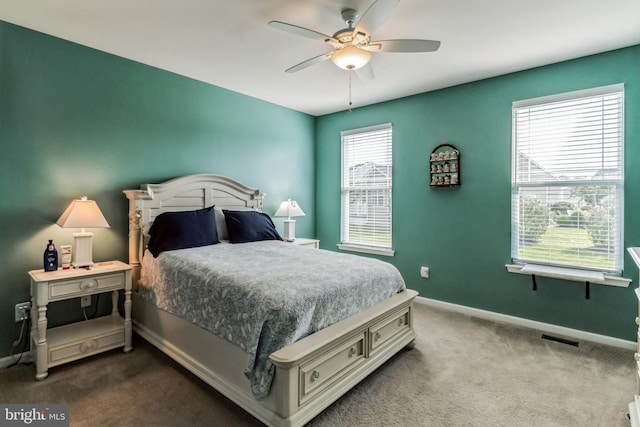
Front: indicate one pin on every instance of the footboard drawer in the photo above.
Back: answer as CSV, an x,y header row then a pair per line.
x,y
383,332
328,368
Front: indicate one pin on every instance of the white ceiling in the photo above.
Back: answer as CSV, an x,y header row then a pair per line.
x,y
228,43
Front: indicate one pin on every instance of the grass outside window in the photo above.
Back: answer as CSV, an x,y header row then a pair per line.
x,y
576,248
365,235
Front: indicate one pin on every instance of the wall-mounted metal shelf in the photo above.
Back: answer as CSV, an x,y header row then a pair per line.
x,y
444,166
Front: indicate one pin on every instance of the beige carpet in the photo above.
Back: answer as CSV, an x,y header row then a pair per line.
x,y
462,372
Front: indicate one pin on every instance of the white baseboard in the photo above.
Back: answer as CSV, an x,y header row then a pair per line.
x,y
5,362
476,312
531,324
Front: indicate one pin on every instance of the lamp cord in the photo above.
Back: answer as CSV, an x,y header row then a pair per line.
x,y
20,338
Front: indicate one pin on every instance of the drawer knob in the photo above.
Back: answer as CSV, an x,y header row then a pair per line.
x,y
88,345
352,352
376,337
400,321
315,375
89,284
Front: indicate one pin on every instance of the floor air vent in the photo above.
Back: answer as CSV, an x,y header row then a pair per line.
x,y
560,340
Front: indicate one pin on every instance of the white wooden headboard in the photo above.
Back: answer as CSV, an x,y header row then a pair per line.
x,y
189,192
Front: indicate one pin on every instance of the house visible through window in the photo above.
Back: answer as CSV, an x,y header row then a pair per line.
x,y
567,180
366,190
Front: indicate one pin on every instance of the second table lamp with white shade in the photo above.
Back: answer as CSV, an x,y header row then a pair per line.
x,y
289,208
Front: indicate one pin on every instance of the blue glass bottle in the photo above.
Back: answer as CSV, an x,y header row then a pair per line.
x,y
50,257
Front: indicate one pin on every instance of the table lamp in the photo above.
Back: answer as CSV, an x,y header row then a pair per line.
x,y
82,214
289,208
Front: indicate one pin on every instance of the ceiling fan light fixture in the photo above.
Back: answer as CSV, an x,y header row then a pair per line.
x,y
351,58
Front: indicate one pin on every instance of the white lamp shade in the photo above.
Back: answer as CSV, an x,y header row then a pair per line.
x,y
350,58
289,208
82,213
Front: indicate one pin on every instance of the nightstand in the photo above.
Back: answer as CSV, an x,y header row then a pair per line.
x,y
55,346
313,243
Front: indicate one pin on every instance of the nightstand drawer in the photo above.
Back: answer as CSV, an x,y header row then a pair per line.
x,y
386,330
85,285
77,340
70,352
309,243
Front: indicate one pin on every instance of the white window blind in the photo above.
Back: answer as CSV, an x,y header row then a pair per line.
x,y
567,179
366,187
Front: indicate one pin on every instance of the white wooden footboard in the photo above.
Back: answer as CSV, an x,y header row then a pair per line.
x,y
310,374
314,372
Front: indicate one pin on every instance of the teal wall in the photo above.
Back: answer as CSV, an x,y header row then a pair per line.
x,y
463,234
75,121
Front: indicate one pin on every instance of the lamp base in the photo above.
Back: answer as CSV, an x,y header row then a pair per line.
x,y
289,230
82,251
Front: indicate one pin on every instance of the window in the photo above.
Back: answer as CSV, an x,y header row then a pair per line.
x,y
567,180
366,190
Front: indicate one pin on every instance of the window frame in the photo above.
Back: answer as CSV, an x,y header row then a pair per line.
x,y
373,194
617,183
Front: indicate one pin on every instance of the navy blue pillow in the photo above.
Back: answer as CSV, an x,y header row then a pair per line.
x,y
249,226
181,230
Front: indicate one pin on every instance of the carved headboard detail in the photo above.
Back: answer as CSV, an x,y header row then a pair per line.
x,y
188,192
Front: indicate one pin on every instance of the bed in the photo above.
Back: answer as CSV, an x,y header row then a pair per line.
x,y
306,372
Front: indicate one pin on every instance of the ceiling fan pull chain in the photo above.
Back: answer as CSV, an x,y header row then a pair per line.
x,y
350,103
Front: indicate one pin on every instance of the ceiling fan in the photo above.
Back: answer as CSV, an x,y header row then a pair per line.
x,y
352,46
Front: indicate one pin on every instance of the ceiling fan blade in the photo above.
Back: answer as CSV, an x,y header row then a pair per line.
x,y
404,45
365,73
376,15
309,62
301,31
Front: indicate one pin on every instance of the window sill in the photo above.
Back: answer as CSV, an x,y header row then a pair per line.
x,y
573,274
366,249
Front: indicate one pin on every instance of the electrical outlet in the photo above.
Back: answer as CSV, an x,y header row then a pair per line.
x,y
424,272
85,301
22,311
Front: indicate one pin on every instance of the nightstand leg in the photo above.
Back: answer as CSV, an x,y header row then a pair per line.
x,y
114,303
127,320
41,344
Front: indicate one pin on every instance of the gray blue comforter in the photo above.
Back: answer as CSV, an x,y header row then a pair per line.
x,y
263,296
